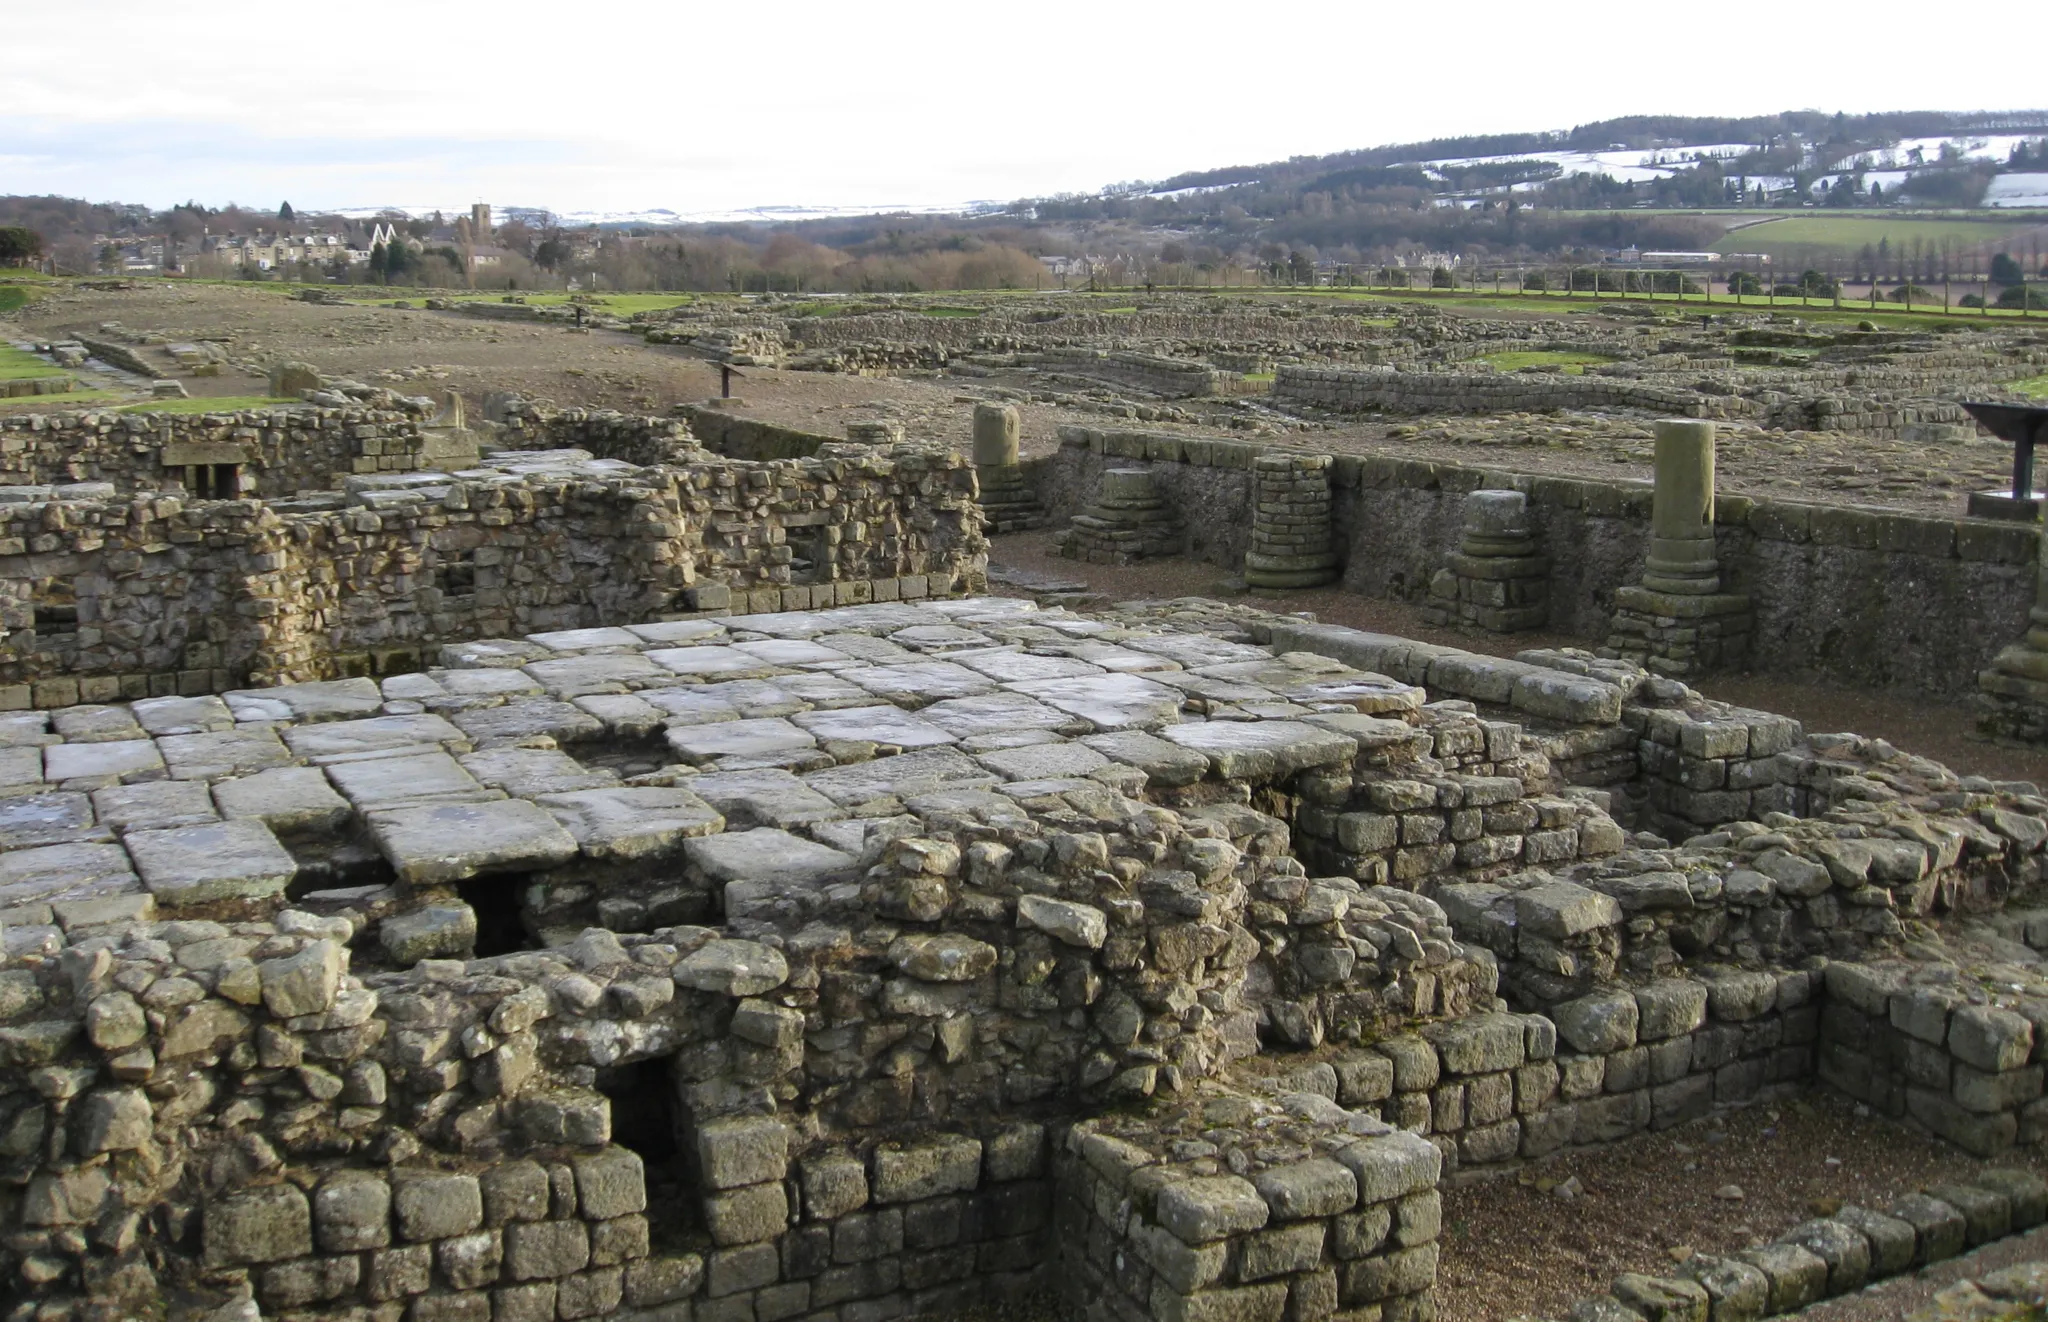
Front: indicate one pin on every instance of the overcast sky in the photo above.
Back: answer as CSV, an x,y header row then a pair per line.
x,y
693,106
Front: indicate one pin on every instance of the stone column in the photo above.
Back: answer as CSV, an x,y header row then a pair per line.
x,y
1006,498
1290,522
1497,581
2012,696
1129,521
1678,621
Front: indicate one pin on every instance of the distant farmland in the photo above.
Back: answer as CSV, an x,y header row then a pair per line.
x,y
1838,240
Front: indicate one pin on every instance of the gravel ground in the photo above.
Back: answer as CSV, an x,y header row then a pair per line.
x,y
1514,1245
1918,724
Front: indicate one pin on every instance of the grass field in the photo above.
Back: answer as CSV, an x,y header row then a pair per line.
x,y
1574,364
19,365
13,298
2035,387
940,310
1795,238
219,404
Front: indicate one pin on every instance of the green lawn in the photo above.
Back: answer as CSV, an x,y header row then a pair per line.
x,y
1812,235
940,310
2034,387
219,404
13,298
1574,364
19,365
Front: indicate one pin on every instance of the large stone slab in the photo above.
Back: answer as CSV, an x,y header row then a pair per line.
x,y
200,715
289,800
395,782
377,736
603,672
676,633
996,713
1043,761
700,744
769,876
1007,665
526,773
921,772
450,841
153,805
192,865
791,653
875,724
95,724
939,638
47,819
632,823
120,761
919,683
710,661
587,640
1108,702
213,755
524,718
328,700
52,872
767,797
1165,764
1262,750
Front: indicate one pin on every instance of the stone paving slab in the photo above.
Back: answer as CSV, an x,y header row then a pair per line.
x,y
1006,665
995,713
193,865
331,700
376,736
700,744
95,724
632,823
45,819
393,782
1262,750
821,690
1108,702
117,762
862,647
708,661
587,640
677,633
790,653
768,876
50,871
876,724
154,804
895,777
918,683
21,769
201,715
451,841
764,798
492,653
237,752
289,800
939,638
526,773
26,729
527,718
623,715
1044,761
602,672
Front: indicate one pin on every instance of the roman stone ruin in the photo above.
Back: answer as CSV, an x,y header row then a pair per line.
x,y
571,865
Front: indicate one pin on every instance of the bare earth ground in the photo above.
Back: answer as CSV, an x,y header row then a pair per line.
x,y
438,350
1918,725
1513,1245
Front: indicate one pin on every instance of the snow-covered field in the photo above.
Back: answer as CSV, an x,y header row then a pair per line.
x,y
2018,190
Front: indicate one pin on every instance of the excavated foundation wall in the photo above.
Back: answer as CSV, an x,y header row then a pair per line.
x,y
1869,596
280,452
113,599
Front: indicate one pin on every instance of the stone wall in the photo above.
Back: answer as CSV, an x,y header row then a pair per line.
x,y
139,597
725,432
1870,596
1172,378
280,452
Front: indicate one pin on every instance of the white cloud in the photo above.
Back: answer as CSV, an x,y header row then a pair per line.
x,y
698,106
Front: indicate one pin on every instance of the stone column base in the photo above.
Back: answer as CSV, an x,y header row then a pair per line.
x,y
2012,696
1289,571
1679,635
1497,593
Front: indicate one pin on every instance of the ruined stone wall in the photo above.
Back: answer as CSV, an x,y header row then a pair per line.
x,y
281,451
1872,596
725,432
171,597
1170,377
